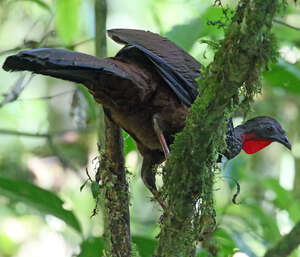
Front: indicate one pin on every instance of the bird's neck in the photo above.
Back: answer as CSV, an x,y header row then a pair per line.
x,y
233,140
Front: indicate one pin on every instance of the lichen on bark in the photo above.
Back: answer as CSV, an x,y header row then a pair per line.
x,y
228,83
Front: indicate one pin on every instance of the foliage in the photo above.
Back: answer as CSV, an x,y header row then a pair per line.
x,y
40,199
67,25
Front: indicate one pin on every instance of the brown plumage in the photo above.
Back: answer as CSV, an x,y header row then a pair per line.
x,y
150,81
147,88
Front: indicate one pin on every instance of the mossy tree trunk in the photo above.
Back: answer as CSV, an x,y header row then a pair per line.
x,y
228,84
112,172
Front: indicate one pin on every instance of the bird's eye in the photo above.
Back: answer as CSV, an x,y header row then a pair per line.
x,y
269,129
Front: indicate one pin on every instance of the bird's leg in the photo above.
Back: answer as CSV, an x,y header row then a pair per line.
x,y
159,132
148,177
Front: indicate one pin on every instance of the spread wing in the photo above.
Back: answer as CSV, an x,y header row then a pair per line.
x,y
63,64
110,81
177,67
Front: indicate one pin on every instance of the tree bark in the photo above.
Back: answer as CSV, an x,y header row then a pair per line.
x,y
112,171
287,244
227,84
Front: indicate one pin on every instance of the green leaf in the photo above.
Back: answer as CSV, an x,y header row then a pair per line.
x,y
129,144
91,247
41,4
8,247
95,188
225,241
286,35
284,200
284,75
267,224
185,35
67,19
40,199
146,246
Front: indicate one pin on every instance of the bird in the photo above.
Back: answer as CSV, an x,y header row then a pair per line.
x,y
147,89
254,135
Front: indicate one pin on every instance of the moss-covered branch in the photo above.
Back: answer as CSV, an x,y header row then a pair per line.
x,y
287,244
115,192
112,171
232,79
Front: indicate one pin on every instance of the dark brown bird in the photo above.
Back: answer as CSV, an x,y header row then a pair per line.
x,y
147,88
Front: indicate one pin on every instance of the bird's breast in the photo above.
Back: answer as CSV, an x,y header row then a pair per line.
x,y
139,125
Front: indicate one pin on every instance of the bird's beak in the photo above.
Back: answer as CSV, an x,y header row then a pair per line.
x,y
285,141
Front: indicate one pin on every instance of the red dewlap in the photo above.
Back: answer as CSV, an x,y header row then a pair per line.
x,y
252,143
253,146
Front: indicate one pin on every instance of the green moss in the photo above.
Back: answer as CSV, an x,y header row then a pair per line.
x,y
228,84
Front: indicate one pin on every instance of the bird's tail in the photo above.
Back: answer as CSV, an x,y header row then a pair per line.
x,y
63,64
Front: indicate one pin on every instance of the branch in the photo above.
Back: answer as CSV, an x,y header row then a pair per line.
x,y
16,90
47,97
285,24
42,42
112,171
287,244
38,135
233,75
24,134
49,136
36,44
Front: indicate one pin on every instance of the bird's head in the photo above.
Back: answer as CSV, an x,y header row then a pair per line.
x,y
259,132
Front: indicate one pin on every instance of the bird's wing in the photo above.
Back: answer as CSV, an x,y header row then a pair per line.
x,y
176,66
63,64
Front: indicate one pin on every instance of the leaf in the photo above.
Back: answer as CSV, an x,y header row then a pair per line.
x,y
91,247
185,35
95,188
41,4
286,35
67,19
8,247
284,200
225,241
267,224
146,246
284,75
129,144
40,199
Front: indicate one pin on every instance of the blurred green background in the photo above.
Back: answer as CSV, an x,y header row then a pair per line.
x,y
60,120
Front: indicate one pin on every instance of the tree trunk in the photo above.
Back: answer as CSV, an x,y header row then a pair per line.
x,y
112,171
189,175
